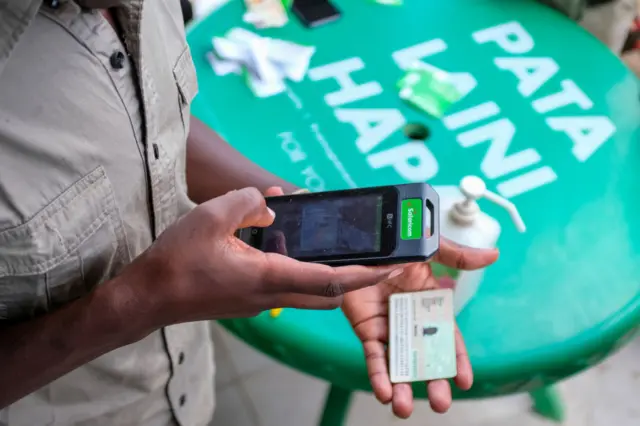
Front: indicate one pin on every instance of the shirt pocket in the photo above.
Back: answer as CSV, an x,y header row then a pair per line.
x,y
184,73
73,244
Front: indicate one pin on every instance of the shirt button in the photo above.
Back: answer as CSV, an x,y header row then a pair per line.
x,y
181,358
117,60
183,399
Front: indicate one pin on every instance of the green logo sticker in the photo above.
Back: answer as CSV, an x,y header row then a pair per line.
x,y
411,219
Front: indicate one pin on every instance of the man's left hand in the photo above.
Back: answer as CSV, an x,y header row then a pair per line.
x,y
367,311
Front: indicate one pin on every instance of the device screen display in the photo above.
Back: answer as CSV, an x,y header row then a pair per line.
x,y
317,227
314,13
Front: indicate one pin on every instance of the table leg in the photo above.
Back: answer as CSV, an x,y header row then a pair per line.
x,y
548,403
335,407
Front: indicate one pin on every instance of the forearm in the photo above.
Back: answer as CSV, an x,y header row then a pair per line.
x,y
34,353
214,167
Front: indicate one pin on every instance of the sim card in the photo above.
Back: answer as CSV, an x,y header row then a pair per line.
x,y
422,343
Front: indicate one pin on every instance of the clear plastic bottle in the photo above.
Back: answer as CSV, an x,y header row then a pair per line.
x,y
462,221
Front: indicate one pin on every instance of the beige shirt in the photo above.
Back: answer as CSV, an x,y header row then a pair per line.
x,y
92,169
609,22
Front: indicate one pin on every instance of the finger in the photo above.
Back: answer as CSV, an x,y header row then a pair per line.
x,y
239,209
439,395
446,282
457,256
305,301
286,275
376,359
402,404
372,324
274,191
464,379
355,277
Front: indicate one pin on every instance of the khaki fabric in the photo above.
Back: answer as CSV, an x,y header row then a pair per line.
x,y
609,22
92,169
15,16
574,9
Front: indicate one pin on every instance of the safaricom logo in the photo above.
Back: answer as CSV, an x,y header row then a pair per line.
x,y
411,219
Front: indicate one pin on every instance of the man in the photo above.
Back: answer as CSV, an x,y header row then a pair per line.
x,y
632,43
187,11
107,270
609,20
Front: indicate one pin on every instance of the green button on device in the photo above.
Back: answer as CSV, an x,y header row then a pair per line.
x,y
411,219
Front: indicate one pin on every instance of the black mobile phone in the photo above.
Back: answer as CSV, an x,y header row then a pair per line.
x,y
313,13
368,226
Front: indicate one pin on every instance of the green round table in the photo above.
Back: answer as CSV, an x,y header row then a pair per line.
x,y
551,120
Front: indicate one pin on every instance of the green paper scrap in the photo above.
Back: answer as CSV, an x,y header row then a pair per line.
x,y
429,89
389,2
244,73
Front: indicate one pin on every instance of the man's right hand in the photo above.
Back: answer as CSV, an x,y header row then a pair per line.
x,y
198,269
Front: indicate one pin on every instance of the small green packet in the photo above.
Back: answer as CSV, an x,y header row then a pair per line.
x,y
288,4
429,89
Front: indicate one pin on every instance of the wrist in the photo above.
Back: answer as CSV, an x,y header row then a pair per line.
x,y
132,310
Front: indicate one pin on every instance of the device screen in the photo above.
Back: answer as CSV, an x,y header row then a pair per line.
x,y
314,13
321,227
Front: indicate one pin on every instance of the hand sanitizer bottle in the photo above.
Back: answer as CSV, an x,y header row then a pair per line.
x,y
463,222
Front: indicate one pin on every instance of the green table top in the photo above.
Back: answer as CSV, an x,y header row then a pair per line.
x,y
561,139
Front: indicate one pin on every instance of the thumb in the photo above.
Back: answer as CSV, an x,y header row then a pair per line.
x,y
274,191
458,256
240,209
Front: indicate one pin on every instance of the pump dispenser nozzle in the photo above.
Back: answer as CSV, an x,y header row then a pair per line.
x,y
473,188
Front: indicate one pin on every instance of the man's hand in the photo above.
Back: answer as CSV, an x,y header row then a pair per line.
x,y
367,310
200,270
196,270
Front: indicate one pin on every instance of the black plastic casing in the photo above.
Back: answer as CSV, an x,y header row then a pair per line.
x,y
393,249
315,13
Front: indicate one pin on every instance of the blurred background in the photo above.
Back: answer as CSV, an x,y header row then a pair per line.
x,y
255,390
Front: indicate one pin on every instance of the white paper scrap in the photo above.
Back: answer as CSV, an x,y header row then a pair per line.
x,y
266,62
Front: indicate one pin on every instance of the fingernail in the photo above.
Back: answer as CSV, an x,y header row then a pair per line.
x,y
271,212
447,282
395,273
